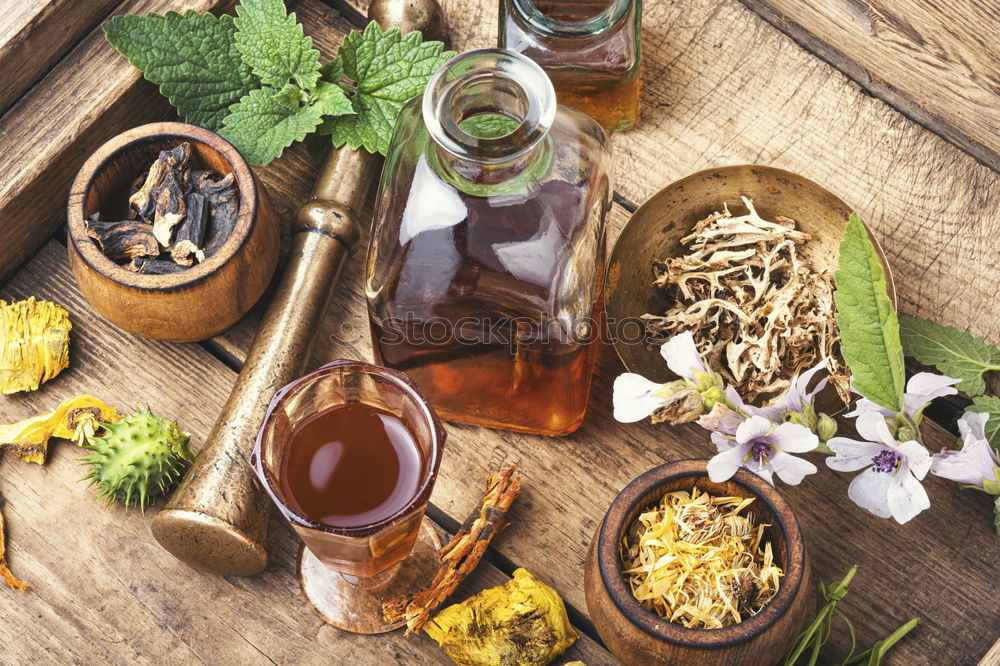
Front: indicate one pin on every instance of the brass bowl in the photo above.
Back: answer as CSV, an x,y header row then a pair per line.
x,y
655,231
639,636
198,302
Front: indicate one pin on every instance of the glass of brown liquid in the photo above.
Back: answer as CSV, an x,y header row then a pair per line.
x,y
349,453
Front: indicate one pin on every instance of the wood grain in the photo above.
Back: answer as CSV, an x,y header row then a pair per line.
x,y
102,590
706,104
936,63
36,34
571,481
91,95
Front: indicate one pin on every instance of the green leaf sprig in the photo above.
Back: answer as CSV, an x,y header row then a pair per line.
x,y
955,353
869,328
257,80
812,639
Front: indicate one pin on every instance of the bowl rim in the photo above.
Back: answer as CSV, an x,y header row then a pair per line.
x,y
609,559
136,137
643,210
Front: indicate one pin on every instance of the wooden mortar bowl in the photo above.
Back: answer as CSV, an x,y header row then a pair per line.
x,y
638,636
197,302
655,230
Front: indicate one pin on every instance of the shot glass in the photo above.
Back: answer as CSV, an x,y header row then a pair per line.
x,y
348,571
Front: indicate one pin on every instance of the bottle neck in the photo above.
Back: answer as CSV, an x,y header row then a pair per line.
x,y
488,113
566,19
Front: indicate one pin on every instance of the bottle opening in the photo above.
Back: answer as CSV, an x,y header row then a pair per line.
x,y
572,18
489,105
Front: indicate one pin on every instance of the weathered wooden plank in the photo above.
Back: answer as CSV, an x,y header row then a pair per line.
x,y
571,481
91,95
102,590
36,34
936,63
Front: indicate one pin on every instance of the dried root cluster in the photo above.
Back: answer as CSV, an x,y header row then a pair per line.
x,y
759,313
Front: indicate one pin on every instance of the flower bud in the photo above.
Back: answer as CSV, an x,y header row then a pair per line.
x,y
825,427
682,407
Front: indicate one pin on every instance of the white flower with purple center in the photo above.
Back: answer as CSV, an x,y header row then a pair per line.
x,y
890,483
920,390
764,449
976,464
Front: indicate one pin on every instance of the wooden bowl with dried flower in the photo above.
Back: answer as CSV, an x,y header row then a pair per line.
x,y
637,635
755,286
194,288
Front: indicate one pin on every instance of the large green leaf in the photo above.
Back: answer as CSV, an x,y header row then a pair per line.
x,y
869,328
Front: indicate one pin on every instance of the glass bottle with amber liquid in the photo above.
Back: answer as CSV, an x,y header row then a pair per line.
x,y
591,49
487,253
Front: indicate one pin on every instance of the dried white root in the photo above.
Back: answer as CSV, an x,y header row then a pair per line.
x,y
759,313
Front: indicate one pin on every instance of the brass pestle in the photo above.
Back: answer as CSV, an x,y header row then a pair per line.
x,y
217,518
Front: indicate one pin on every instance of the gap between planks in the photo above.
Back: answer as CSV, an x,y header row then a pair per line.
x,y
125,366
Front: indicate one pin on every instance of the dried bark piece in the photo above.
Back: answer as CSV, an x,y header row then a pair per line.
x,y
175,161
188,241
156,266
223,201
9,579
34,344
76,419
170,209
759,313
127,239
460,555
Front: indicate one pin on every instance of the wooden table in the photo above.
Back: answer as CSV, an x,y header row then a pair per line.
x,y
894,106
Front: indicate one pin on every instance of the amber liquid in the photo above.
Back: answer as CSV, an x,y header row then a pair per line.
x,y
350,466
609,94
481,352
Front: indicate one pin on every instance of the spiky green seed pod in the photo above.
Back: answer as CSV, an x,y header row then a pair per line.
x,y
139,457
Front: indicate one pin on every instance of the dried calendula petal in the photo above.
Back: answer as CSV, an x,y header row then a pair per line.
x,y
9,579
695,560
34,344
76,419
522,622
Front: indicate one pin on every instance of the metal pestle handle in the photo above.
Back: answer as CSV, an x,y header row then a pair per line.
x,y
217,519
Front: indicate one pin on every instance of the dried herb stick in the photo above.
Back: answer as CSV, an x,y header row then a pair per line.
x,y
460,555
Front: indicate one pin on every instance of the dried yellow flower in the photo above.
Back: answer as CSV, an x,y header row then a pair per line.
x,y
521,623
34,344
77,419
696,561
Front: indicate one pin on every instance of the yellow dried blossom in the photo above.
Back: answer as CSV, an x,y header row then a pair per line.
x,y
696,561
34,344
76,419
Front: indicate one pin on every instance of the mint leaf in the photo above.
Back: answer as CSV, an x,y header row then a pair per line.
x,y
261,126
273,45
869,329
330,100
489,125
388,70
953,352
991,405
191,57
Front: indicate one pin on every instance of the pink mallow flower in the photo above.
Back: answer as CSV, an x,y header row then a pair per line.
x,y
976,464
890,483
763,448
